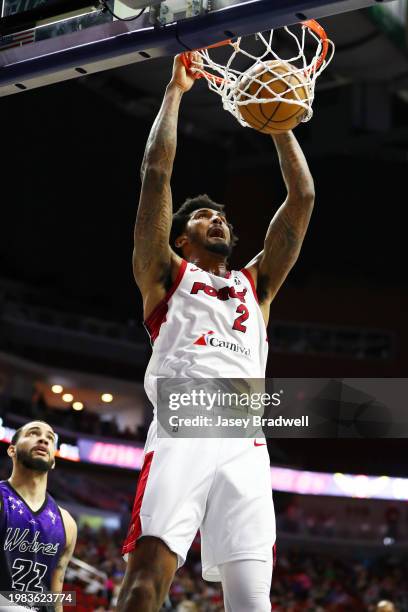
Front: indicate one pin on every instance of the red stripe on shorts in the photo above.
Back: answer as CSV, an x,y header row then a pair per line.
x,y
135,528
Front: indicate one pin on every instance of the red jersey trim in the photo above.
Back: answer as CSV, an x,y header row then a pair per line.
x,y
158,315
135,528
247,273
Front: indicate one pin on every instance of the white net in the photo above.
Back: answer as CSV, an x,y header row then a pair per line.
x,y
267,67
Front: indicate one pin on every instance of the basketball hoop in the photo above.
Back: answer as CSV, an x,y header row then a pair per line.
x,y
250,60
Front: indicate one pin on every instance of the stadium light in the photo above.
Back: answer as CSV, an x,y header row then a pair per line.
x,y
57,389
77,405
68,397
106,397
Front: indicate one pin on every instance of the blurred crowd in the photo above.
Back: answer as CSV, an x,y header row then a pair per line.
x,y
101,550
84,421
315,582
302,581
353,522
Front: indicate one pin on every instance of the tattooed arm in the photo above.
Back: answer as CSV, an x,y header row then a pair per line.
x,y
57,579
288,227
154,262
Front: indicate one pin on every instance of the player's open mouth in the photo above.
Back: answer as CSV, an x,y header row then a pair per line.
x,y
216,232
42,451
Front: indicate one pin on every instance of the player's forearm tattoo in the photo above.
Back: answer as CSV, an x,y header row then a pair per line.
x,y
292,220
161,144
154,215
295,170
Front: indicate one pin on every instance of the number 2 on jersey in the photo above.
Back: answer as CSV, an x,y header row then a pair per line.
x,y
243,317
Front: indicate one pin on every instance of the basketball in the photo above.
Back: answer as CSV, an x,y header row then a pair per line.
x,y
273,117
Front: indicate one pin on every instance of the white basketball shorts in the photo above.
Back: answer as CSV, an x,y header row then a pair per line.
x,y
220,486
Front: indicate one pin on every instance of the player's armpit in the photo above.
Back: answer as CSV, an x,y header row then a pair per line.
x,y
58,576
155,288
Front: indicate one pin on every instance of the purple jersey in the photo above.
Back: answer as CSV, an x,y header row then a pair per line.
x,y
30,542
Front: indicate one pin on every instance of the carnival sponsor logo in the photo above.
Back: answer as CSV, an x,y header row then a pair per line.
x,y
211,339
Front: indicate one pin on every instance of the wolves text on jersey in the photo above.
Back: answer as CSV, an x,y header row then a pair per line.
x,y
16,540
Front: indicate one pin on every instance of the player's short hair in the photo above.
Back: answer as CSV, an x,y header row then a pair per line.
x,y
16,436
183,214
18,432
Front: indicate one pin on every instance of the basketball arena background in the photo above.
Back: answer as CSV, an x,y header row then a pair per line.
x,y
71,315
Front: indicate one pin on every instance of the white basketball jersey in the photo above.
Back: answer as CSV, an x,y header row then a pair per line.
x,y
206,327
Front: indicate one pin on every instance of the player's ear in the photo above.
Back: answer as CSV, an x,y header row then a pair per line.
x,y
11,451
181,241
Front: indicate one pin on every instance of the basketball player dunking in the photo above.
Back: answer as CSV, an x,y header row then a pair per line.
x,y
37,538
220,486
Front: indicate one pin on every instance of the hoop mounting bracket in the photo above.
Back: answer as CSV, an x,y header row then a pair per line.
x,y
173,10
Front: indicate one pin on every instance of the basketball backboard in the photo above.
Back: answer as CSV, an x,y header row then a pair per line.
x,y
47,42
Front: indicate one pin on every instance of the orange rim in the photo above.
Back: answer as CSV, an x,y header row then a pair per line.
x,y
311,24
185,58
